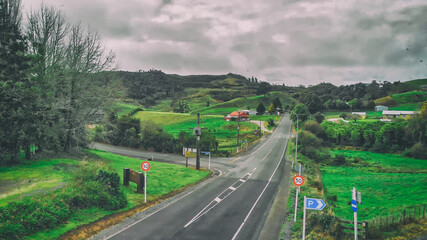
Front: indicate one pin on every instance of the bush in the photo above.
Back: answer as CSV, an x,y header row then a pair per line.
x,y
271,122
19,219
90,188
417,151
339,160
323,222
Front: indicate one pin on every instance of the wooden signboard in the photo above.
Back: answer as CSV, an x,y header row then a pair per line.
x,y
133,176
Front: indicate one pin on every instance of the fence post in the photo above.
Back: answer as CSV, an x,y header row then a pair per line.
x,y
424,212
366,230
140,184
126,176
404,215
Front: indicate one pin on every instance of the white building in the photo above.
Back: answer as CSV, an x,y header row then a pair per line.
x,y
396,114
380,108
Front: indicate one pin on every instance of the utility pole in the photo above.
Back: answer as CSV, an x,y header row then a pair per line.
x,y
238,128
198,133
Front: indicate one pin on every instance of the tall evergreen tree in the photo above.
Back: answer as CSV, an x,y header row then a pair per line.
x,y
16,89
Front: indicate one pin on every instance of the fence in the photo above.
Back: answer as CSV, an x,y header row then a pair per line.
x,y
407,215
370,229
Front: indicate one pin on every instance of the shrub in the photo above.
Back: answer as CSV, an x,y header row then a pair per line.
x,y
271,122
417,151
339,160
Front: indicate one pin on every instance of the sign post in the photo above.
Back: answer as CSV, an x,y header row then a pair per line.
x,y
208,153
298,181
145,166
312,204
356,198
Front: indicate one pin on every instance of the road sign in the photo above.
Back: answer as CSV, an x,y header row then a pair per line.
x,y
314,204
190,154
298,180
145,166
354,205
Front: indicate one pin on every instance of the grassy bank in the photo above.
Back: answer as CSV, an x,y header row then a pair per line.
x,y
50,183
388,183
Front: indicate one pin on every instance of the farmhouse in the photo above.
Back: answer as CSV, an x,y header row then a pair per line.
x,y
380,108
396,114
234,116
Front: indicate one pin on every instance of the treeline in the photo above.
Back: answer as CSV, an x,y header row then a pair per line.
x,y
130,132
402,136
150,86
356,96
49,89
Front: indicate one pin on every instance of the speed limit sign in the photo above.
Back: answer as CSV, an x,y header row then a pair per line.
x,y
298,180
145,166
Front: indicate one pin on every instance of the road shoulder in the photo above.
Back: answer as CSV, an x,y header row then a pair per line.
x,y
277,214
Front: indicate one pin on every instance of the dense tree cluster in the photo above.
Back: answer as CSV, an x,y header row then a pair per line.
x,y
49,89
379,136
355,96
131,132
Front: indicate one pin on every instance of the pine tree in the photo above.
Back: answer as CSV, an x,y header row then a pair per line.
x,y
16,92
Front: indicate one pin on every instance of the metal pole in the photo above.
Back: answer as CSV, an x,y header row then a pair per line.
x,y
209,167
296,204
303,221
145,187
355,214
238,128
198,144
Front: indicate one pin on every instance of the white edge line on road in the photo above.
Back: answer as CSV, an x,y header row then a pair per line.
x,y
151,214
259,197
215,202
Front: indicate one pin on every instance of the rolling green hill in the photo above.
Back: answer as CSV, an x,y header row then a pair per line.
x,y
416,84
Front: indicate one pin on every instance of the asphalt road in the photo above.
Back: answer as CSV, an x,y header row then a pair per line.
x,y
233,205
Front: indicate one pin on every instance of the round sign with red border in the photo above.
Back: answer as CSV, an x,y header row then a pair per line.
x,y
145,166
298,180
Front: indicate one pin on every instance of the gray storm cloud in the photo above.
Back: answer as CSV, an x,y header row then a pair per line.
x,y
291,42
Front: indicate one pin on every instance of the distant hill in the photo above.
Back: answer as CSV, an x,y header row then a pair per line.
x,y
416,84
159,91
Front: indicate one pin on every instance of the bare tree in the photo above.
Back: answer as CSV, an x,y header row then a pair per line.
x,y
68,60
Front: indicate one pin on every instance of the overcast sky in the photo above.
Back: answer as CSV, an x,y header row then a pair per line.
x,y
279,41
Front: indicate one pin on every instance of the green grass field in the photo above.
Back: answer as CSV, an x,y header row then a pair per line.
x,y
48,174
388,183
161,179
125,107
225,132
243,103
33,177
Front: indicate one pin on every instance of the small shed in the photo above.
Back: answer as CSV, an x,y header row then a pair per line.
x,y
380,108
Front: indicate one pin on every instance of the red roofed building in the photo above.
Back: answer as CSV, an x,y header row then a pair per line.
x,y
235,115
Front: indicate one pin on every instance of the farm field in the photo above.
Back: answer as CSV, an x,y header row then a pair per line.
x,y
49,178
245,103
125,107
225,132
388,183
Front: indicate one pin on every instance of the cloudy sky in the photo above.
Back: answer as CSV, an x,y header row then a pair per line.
x,y
280,41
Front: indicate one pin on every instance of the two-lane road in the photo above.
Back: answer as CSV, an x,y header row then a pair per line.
x,y
232,206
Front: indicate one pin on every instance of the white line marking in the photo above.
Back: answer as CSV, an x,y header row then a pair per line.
x,y
151,214
232,188
242,180
215,202
259,197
